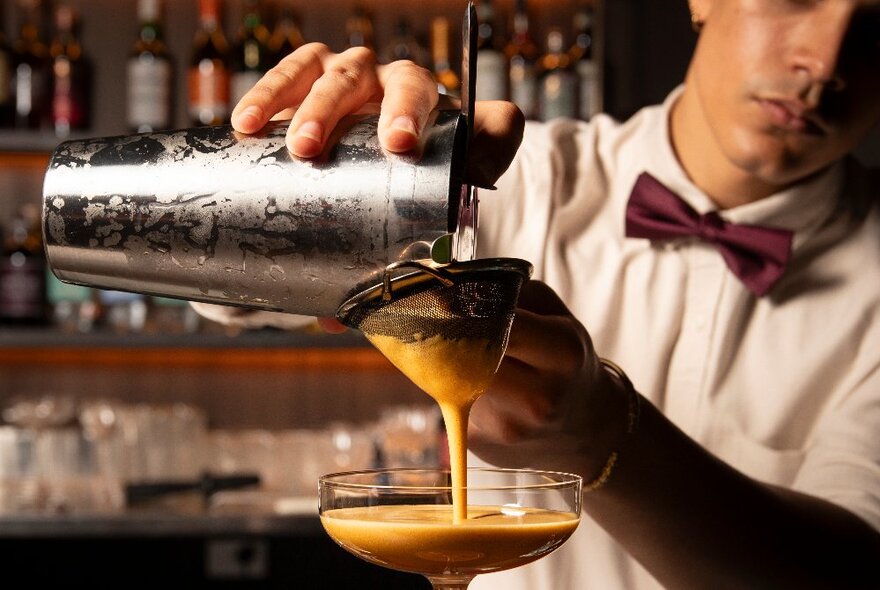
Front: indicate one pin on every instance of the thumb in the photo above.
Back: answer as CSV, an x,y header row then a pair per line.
x,y
498,131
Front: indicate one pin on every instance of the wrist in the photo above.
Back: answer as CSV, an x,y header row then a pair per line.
x,y
618,407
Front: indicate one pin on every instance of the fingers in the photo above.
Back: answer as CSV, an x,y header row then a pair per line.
x,y
349,80
538,297
283,86
551,343
410,96
520,402
545,334
323,87
549,354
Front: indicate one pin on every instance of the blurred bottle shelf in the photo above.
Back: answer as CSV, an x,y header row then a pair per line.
x,y
35,144
106,37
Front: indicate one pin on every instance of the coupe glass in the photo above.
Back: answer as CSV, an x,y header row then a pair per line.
x,y
402,519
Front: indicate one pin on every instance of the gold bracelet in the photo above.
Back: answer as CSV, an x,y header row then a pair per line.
x,y
603,475
633,403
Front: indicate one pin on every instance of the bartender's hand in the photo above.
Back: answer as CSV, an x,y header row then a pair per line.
x,y
317,87
551,405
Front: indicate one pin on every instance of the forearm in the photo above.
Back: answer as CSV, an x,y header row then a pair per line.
x,y
695,522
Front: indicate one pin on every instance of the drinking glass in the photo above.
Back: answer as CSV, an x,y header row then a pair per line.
x,y
402,518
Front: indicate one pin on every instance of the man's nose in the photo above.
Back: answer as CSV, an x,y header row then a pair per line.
x,y
818,47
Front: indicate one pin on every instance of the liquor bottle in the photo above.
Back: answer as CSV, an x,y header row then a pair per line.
x,y
522,56
447,80
557,82
123,312
491,62
208,75
287,36
7,105
150,73
359,28
172,316
585,65
250,56
73,307
22,271
71,76
30,84
404,45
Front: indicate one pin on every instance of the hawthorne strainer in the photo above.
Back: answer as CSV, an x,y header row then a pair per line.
x,y
472,299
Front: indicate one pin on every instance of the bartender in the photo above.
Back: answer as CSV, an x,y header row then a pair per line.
x,y
703,341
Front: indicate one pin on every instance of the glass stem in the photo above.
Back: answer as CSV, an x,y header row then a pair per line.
x,y
450,583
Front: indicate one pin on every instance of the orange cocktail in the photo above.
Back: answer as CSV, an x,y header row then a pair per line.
x,y
403,519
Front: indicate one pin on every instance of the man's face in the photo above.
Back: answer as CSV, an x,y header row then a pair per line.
x,y
788,86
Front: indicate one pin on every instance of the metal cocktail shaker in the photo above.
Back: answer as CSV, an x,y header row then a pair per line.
x,y
208,214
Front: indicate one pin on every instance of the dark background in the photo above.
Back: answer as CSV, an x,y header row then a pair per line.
x,y
647,44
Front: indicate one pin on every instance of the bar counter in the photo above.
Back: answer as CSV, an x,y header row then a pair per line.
x,y
158,524
143,549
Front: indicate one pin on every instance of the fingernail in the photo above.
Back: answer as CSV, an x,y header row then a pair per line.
x,y
405,124
252,116
311,130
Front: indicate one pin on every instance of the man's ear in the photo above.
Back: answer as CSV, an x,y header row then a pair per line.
x,y
700,10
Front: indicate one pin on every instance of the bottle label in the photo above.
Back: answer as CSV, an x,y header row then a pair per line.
x,y
559,95
589,87
69,108
491,75
524,88
5,78
208,92
22,287
149,93
30,90
242,82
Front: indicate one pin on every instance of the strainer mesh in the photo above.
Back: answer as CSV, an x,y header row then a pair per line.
x,y
480,304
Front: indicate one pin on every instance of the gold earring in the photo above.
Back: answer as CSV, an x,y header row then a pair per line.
x,y
696,23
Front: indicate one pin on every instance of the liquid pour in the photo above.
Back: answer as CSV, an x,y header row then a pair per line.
x,y
455,373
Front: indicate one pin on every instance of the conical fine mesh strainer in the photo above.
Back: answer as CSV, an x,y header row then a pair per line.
x,y
475,299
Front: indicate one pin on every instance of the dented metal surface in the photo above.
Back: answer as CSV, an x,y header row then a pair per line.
x,y
210,215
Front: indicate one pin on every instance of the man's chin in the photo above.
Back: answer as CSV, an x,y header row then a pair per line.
x,y
775,164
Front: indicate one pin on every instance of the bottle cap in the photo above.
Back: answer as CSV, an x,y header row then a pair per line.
x,y
209,10
64,18
149,10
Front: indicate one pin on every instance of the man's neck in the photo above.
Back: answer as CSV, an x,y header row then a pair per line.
x,y
706,165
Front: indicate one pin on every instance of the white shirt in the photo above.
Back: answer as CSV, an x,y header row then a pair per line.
x,y
785,388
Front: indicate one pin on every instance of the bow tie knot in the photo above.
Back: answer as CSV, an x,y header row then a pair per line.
x,y
757,255
710,226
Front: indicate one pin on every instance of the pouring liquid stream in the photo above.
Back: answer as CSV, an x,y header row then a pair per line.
x,y
455,373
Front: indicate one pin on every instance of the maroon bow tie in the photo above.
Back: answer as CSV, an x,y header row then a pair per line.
x,y
757,255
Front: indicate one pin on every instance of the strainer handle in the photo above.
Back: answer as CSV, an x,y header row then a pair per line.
x,y
438,273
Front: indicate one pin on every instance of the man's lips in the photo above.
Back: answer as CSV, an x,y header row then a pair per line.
x,y
791,116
